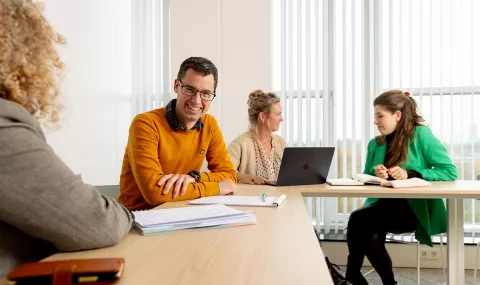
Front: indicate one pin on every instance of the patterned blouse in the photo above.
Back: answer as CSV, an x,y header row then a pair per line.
x,y
266,168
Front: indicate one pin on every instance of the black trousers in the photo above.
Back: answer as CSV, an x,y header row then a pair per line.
x,y
367,230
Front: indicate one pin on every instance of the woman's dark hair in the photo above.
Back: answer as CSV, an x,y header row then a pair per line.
x,y
393,101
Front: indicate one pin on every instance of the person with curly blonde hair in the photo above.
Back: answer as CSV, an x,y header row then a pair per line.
x,y
30,68
44,206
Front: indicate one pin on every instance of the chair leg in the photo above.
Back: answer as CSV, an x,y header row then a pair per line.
x,y
476,265
418,262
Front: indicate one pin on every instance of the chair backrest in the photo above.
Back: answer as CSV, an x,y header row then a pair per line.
x,y
109,190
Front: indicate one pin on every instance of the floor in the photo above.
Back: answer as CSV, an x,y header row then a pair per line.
x,y
408,276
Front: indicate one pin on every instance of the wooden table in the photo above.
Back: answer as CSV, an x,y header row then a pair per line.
x,y
454,192
281,249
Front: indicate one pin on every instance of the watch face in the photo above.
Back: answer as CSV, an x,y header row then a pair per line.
x,y
195,174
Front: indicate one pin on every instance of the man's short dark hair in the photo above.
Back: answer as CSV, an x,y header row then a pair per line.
x,y
201,65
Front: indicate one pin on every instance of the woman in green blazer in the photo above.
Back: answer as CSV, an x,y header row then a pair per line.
x,y
406,148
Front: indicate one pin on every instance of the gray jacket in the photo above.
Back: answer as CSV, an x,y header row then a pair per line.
x,y
44,206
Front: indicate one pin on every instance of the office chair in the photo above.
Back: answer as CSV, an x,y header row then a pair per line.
x,y
109,190
418,256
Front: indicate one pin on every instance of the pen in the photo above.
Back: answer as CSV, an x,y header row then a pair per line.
x,y
264,197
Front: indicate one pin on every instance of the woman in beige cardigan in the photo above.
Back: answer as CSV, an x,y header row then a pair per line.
x,y
257,153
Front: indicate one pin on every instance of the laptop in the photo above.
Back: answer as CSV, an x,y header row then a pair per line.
x,y
304,166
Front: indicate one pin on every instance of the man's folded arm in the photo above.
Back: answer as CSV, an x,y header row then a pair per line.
x,y
146,168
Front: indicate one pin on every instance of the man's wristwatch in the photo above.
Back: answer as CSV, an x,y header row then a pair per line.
x,y
195,174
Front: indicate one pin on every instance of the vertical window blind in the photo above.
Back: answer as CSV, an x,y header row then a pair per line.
x,y
332,58
150,54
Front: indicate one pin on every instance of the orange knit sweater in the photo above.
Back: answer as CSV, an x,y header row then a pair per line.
x,y
154,150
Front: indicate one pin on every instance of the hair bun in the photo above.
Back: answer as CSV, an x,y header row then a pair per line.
x,y
255,94
252,97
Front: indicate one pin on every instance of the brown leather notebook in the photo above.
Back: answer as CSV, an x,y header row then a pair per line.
x,y
102,271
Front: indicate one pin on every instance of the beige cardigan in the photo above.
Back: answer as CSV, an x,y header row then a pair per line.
x,y
242,152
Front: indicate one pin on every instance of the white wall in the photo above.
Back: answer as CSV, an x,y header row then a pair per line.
x,y
94,127
235,35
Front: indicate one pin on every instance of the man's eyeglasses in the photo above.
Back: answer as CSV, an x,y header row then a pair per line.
x,y
190,91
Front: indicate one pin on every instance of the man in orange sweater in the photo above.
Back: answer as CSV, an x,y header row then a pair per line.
x,y
167,146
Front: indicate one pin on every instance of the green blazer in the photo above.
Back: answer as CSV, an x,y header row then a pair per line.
x,y
428,156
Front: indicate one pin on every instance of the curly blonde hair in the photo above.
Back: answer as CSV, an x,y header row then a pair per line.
x,y
30,68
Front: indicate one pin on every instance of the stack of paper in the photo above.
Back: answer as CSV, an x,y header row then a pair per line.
x,y
234,200
211,216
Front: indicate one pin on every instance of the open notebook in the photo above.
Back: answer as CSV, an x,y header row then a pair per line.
x,y
358,179
256,201
209,216
364,179
407,183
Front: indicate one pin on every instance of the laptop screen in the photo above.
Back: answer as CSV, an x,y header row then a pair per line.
x,y
305,165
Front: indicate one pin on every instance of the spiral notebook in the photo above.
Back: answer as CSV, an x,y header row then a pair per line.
x,y
255,201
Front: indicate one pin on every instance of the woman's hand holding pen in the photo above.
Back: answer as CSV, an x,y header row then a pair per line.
x,y
381,171
398,173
